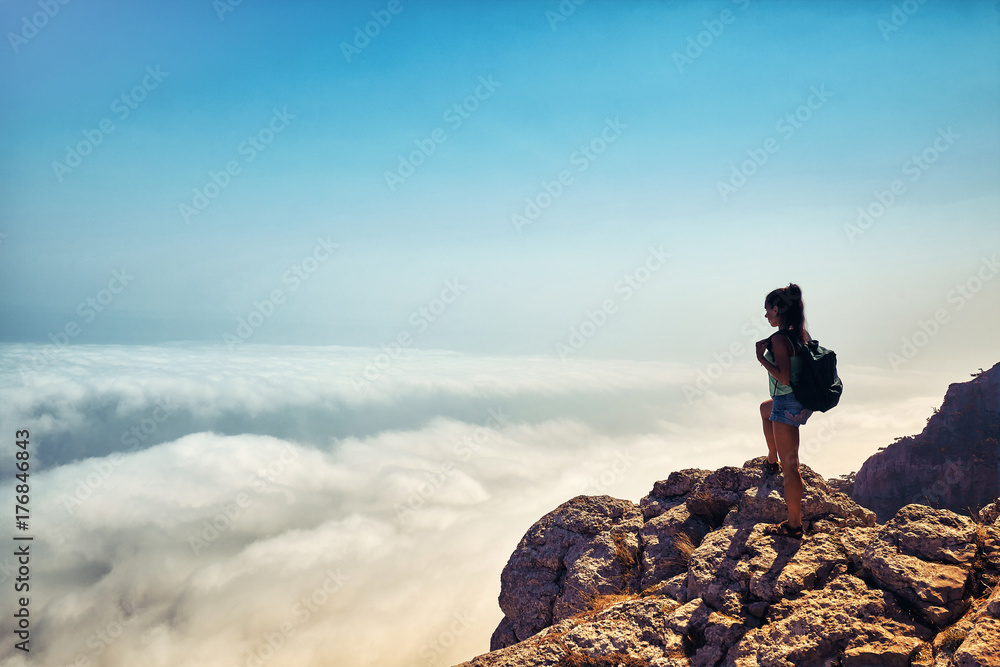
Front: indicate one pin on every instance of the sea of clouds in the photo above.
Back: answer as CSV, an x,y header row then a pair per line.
x,y
275,506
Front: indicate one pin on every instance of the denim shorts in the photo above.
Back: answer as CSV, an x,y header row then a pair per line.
x,y
787,410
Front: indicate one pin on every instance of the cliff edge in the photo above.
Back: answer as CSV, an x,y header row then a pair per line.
x,y
954,463
691,576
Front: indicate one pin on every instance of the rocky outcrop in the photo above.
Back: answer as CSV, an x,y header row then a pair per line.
x,y
954,463
695,575
586,547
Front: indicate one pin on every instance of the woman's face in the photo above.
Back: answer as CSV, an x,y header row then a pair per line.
x,y
771,313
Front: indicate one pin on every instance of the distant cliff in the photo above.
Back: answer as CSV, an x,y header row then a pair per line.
x,y
692,577
954,463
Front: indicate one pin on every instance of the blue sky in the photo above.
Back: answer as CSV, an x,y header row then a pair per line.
x,y
681,132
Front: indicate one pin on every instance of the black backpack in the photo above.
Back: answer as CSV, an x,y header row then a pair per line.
x,y
818,387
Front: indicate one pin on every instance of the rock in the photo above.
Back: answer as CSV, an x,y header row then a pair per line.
x,y
676,587
782,568
990,514
762,501
854,541
503,636
981,647
671,492
587,546
912,556
721,632
951,464
716,572
637,629
667,541
895,653
821,625
695,576
690,617
993,605
733,567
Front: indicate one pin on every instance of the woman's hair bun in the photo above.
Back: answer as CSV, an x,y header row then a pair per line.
x,y
794,291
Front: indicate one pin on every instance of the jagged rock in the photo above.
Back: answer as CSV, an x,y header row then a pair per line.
x,y
690,617
981,627
990,514
895,653
818,627
735,567
667,541
982,647
503,636
762,501
951,464
716,572
993,605
587,546
721,632
671,492
782,568
639,628
676,587
855,541
601,579
925,556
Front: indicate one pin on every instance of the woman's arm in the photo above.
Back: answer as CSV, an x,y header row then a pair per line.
x,y
781,369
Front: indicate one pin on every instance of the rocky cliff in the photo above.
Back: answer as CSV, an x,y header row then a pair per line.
x,y
691,576
954,463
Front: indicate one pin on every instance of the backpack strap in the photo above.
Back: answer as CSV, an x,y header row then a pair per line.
x,y
796,343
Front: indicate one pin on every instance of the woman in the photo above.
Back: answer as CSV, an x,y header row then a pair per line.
x,y
783,414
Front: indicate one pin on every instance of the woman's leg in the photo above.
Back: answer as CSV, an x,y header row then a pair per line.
x,y
765,414
786,439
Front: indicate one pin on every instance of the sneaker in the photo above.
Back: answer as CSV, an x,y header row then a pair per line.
x,y
772,468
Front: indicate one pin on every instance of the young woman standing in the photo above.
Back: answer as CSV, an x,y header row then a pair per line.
x,y
782,415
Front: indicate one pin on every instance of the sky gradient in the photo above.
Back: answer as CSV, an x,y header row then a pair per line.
x,y
682,128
